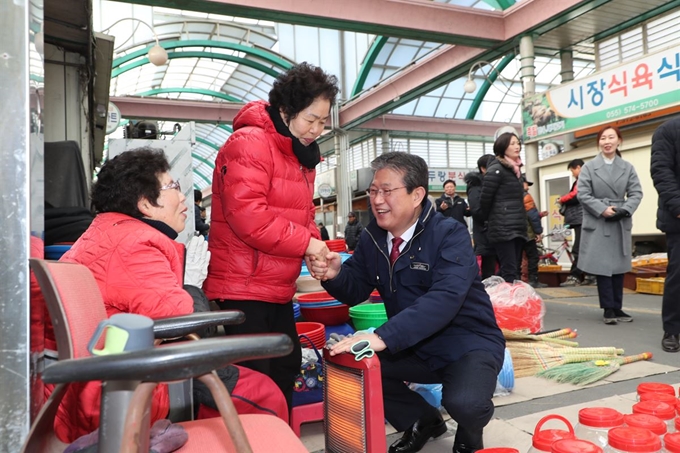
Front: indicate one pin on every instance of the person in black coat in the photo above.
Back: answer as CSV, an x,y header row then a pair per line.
x,y
665,168
323,231
474,191
502,202
451,205
441,326
353,230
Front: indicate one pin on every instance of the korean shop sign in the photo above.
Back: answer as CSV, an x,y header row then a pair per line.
x,y
437,177
631,89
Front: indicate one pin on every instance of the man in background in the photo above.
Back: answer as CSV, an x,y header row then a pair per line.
x,y
665,168
202,228
353,230
451,205
573,216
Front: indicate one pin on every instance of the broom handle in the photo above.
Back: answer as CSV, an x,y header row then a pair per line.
x,y
635,358
566,332
560,341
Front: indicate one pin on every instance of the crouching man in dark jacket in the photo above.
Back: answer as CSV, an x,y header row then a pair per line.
x,y
441,326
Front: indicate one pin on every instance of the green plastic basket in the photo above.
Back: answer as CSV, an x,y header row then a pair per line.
x,y
365,316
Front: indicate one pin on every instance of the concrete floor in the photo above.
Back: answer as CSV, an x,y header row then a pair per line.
x,y
514,421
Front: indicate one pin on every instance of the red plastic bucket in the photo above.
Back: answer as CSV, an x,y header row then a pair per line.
x,y
655,387
646,421
637,440
672,442
543,439
574,446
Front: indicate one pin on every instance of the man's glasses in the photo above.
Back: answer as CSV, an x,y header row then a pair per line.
x,y
382,192
172,185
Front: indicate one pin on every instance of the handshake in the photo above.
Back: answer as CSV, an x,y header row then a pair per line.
x,y
317,251
619,213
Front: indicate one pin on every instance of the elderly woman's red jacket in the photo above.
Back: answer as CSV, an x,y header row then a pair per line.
x,y
139,270
262,214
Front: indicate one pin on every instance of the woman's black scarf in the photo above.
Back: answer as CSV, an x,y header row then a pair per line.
x,y
161,226
308,156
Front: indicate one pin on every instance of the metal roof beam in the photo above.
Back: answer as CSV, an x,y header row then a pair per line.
x,y
428,125
176,110
433,21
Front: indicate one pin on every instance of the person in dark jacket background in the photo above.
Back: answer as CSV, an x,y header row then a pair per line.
x,y
353,230
573,216
452,205
483,249
441,326
323,231
202,228
502,202
534,233
665,168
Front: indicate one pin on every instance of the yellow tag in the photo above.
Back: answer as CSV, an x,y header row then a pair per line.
x,y
601,362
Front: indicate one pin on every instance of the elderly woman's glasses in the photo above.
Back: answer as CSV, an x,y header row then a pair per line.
x,y
172,185
382,192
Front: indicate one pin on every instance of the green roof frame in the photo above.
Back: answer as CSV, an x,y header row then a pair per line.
x,y
488,81
368,63
198,54
203,91
262,54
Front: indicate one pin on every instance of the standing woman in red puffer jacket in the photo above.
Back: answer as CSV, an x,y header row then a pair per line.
x,y
262,220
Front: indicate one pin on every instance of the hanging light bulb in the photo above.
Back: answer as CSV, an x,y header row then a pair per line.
x,y
158,55
470,86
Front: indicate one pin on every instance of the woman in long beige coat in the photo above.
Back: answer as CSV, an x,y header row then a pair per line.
x,y
609,191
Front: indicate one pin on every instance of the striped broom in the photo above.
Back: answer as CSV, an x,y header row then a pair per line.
x,y
531,358
588,372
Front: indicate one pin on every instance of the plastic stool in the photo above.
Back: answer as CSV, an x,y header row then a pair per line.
x,y
304,414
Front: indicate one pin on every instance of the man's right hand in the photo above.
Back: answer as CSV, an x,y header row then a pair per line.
x,y
325,270
443,206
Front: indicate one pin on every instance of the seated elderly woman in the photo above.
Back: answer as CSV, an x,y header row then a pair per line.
x,y
140,268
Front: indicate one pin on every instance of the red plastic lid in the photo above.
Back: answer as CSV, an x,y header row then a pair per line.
x,y
543,439
655,387
646,421
499,450
575,446
600,417
672,442
634,440
662,410
665,397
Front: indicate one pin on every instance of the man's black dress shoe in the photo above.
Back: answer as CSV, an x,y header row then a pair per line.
x,y
670,342
415,438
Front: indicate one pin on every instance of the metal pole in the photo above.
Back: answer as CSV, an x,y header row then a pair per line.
x,y
19,23
526,52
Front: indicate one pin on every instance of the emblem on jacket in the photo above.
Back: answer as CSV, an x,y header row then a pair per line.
x,y
420,266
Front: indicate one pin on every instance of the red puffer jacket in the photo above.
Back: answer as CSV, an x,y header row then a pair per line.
x,y
139,270
262,213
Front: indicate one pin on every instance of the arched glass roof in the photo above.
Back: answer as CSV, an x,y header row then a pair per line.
x,y
500,101
220,58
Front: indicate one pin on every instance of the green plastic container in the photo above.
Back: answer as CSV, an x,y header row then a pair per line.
x,y
365,316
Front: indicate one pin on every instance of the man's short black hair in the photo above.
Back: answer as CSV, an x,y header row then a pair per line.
x,y
483,162
575,163
449,181
413,167
125,179
198,196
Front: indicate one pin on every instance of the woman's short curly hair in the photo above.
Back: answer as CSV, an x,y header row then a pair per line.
x,y
125,179
297,88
